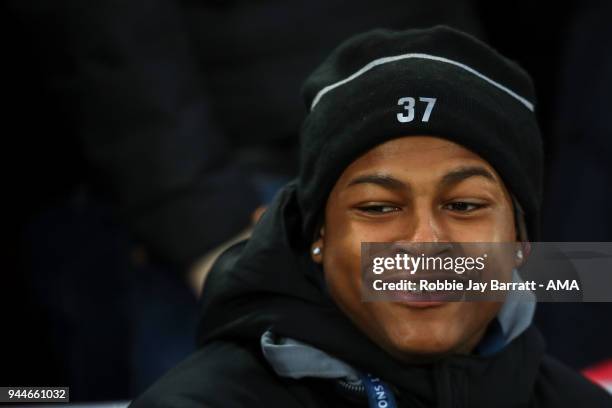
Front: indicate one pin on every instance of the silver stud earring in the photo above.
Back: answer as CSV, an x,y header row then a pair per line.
x,y
519,254
316,250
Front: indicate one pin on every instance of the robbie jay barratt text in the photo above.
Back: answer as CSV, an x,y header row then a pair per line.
x,y
471,285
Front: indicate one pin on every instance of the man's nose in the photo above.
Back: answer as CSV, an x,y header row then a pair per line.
x,y
425,227
425,235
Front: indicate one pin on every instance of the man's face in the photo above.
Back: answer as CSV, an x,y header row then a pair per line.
x,y
413,189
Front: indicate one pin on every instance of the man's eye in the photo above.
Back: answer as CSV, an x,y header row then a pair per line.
x,y
462,206
378,209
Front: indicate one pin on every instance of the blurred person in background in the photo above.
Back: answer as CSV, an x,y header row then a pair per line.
x,y
579,191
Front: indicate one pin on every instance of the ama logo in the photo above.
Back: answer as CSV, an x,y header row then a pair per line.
x,y
562,285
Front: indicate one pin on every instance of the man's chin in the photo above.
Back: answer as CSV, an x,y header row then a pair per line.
x,y
421,353
424,344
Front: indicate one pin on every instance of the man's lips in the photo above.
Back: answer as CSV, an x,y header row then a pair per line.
x,y
425,298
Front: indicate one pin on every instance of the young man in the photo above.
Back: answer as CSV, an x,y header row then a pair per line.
x,y
415,136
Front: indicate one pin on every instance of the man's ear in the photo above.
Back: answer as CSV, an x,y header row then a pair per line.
x,y
316,249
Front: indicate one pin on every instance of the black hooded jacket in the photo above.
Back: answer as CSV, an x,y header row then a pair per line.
x,y
270,283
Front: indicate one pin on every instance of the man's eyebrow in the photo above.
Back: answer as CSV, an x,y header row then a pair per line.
x,y
382,180
455,176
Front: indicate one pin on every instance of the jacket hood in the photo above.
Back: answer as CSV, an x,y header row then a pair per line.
x,y
269,283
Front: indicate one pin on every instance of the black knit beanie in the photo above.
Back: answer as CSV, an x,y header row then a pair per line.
x,y
438,82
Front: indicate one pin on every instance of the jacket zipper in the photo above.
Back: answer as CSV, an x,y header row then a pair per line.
x,y
357,388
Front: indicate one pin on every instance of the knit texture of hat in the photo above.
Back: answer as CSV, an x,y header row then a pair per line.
x,y
440,82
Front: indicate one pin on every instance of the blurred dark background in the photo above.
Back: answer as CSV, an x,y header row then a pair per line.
x,y
140,135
